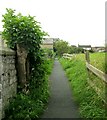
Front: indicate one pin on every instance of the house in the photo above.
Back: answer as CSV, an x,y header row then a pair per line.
x,y
85,47
74,46
47,43
55,39
94,49
98,49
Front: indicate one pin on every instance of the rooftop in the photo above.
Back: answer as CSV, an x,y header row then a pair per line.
x,y
47,40
84,46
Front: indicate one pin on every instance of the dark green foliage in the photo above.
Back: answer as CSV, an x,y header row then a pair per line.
x,y
23,107
49,53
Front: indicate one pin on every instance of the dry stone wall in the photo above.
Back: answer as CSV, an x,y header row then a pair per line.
x,y
8,79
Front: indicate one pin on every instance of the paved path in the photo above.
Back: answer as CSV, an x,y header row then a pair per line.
x,y
61,103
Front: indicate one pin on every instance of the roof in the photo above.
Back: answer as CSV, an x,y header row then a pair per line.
x,y
84,46
73,46
47,41
99,47
55,39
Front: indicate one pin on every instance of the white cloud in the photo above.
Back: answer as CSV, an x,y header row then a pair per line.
x,y
76,21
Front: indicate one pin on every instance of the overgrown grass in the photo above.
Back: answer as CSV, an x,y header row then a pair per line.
x,y
90,104
98,60
32,105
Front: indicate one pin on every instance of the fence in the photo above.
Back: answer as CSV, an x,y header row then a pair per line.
x,y
98,73
68,56
95,71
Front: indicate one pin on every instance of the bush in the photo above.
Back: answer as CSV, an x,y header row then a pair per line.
x,y
26,31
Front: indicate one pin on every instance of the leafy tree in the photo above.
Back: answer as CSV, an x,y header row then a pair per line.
x,y
61,47
75,50
20,29
49,53
26,33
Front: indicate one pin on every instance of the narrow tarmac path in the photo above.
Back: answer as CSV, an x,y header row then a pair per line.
x,y
61,103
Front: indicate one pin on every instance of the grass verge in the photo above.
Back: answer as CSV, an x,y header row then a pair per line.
x,y
90,104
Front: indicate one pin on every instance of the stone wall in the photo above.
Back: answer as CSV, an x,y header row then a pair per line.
x,y
8,79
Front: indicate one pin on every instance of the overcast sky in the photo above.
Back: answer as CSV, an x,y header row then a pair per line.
x,y
75,21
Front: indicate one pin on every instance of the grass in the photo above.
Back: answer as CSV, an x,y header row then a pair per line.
x,y
90,104
98,60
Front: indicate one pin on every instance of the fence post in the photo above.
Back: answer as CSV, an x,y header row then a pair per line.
x,y
87,56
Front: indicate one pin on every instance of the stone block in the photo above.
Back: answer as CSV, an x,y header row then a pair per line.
x,y
13,89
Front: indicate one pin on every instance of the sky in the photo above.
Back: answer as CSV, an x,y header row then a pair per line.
x,y
75,21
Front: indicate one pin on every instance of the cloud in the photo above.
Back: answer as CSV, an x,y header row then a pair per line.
x,y
74,21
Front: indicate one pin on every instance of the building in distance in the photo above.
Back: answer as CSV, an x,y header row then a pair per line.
x,y
48,43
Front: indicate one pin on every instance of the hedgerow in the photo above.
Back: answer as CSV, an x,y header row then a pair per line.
x,y
25,30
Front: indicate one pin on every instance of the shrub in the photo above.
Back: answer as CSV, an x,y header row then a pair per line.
x,y
25,30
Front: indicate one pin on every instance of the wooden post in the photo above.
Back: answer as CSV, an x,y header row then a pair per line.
x,y
87,56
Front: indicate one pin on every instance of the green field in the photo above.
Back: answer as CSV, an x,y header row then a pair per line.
x,y
96,59
90,103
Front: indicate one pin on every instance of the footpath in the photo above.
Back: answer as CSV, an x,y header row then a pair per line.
x,y
61,103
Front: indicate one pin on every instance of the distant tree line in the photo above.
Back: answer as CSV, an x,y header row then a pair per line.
x,y
60,47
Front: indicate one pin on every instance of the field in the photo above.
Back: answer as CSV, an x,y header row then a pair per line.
x,y
90,103
96,59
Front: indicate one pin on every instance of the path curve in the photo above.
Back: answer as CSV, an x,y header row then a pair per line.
x,y
61,103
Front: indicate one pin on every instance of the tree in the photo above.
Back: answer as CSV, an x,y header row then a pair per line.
x,y
23,33
61,47
75,50
20,29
